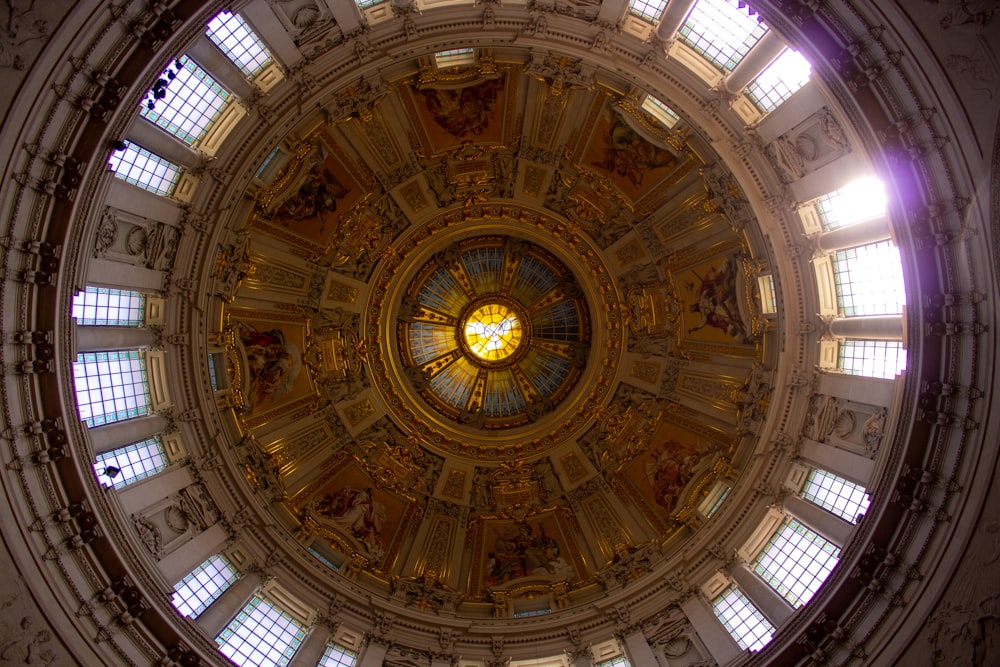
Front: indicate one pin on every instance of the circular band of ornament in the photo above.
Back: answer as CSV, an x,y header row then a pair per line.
x,y
400,373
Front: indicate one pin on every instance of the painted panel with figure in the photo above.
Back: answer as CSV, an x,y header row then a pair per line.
x,y
473,109
717,299
509,550
633,163
357,515
313,201
269,348
661,477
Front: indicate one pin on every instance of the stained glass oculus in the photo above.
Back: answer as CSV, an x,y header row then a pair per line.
x,y
493,332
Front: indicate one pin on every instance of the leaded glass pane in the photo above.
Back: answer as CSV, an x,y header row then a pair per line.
x,y
193,102
133,462
111,386
863,199
789,72
336,655
723,31
869,280
796,562
836,494
261,635
744,622
872,358
109,307
204,585
241,45
647,10
134,164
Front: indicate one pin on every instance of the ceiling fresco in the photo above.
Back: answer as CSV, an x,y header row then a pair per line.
x,y
450,346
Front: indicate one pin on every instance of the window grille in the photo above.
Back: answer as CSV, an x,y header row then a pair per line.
x,y
195,592
241,45
742,620
132,463
262,635
111,386
796,562
722,31
136,165
109,307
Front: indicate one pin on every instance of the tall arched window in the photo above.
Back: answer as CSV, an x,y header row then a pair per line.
x,y
262,634
111,386
789,72
195,592
239,43
131,463
109,307
796,562
140,167
744,622
722,31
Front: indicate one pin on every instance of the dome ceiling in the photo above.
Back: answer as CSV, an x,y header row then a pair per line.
x,y
492,282
489,362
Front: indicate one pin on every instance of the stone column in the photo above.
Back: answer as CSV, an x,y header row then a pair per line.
x,y
869,327
767,600
716,638
756,61
140,495
673,18
218,65
860,233
264,22
112,436
637,649
612,11
179,563
214,619
839,461
91,338
827,524
373,654
312,647
581,657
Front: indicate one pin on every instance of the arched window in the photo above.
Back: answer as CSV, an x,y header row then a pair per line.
x,y
858,201
869,280
744,622
109,307
138,166
722,31
111,386
195,592
191,101
239,43
796,562
835,494
619,661
125,465
336,655
871,358
647,10
262,634
789,72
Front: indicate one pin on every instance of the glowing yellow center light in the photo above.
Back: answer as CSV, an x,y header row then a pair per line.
x,y
493,332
